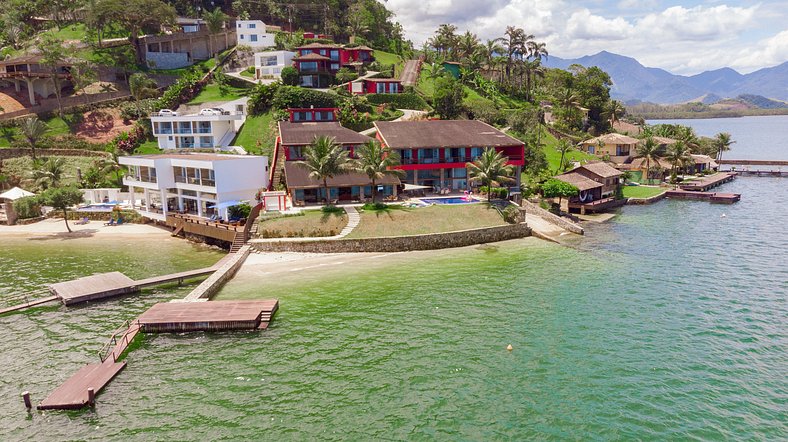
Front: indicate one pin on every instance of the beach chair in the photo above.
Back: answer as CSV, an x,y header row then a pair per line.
x,y
83,220
120,221
111,222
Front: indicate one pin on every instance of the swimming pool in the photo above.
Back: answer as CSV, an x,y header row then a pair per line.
x,y
98,207
449,200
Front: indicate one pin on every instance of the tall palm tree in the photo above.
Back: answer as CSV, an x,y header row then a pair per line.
x,y
648,150
33,130
679,157
50,173
492,50
491,170
376,162
615,110
537,50
513,43
214,20
564,147
467,44
722,142
141,86
325,159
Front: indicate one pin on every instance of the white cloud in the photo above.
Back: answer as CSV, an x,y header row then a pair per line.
x,y
683,40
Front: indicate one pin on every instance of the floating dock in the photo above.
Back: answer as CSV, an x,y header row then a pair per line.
x,y
714,197
708,182
171,317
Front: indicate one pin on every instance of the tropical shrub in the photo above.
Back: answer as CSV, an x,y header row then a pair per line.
x,y
289,76
261,98
239,211
27,207
290,96
485,111
497,192
511,214
130,111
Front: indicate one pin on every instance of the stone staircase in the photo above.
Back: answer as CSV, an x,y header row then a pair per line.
x,y
353,218
278,167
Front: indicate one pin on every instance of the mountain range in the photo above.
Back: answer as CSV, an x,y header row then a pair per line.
x,y
633,82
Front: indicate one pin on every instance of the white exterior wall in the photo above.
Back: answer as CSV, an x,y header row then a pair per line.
x,y
252,33
283,59
223,129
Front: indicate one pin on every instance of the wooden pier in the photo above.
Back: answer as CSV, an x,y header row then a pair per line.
x,y
170,317
714,197
709,182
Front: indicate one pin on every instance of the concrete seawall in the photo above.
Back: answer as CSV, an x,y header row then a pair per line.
x,y
431,241
213,283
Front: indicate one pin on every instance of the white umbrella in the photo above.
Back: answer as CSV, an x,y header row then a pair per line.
x,y
15,194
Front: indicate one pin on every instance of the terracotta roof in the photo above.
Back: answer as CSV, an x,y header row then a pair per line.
x,y
703,159
442,133
298,177
578,181
640,163
312,56
664,140
360,48
611,139
299,134
320,46
601,169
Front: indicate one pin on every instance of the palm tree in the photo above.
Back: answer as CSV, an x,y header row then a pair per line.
x,y
513,43
616,110
467,44
564,147
325,159
648,151
679,157
722,142
33,130
50,173
491,170
376,162
492,50
436,71
214,20
141,86
537,50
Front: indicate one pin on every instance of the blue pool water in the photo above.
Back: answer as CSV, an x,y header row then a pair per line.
x,y
449,200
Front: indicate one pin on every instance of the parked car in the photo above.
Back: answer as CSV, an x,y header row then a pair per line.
x,y
211,111
168,113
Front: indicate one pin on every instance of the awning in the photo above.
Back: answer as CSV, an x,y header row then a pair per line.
x,y
15,194
226,204
416,187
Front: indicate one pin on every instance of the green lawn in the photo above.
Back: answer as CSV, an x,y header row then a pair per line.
x,y
211,94
554,156
147,148
23,167
399,220
245,73
57,126
259,128
70,32
425,85
642,191
311,224
389,58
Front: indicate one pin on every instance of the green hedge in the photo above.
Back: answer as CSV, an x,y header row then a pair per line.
x,y
293,96
399,101
27,207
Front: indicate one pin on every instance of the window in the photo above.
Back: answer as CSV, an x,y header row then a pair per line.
x,y
381,88
334,66
308,66
253,37
334,55
252,25
268,61
242,36
239,25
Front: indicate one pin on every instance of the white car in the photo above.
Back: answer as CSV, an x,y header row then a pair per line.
x,y
211,111
168,113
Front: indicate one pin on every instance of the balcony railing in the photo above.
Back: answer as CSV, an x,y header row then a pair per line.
x,y
142,178
203,130
183,130
164,131
195,181
450,160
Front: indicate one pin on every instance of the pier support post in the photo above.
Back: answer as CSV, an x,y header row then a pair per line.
x,y
26,398
91,397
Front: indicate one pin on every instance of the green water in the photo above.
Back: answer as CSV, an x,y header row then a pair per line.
x,y
668,322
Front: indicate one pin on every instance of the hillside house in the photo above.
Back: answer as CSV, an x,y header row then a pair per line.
x,y
253,33
182,46
215,129
618,148
597,183
318,62
37,78
269,64
375,86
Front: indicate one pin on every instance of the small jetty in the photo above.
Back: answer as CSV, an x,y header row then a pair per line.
x,y
714,197
708,182
80,389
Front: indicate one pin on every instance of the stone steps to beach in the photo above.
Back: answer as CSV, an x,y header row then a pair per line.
x,y
353,218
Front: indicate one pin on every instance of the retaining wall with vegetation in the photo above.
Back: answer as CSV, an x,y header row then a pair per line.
x,y
16,152
430,241
552,218
651,200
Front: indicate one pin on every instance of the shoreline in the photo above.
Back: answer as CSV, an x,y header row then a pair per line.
x,y
56,227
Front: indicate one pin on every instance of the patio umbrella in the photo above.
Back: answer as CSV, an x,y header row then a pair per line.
x,y
416,187
226,204
15,194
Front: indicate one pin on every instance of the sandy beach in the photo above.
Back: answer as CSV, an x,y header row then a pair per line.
x,y
57,227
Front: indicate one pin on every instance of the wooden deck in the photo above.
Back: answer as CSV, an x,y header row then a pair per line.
x,y
166,317
73,394
709,182
88,288
714,197
177,317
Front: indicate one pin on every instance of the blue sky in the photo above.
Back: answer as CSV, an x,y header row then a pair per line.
x,y
684,37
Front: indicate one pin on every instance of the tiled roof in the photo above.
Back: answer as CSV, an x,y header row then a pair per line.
x,y
578,181
602,169
298,177
299,134
312,56
320,46
611,139
383,80
442,134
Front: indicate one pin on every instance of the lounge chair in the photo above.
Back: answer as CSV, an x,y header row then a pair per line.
x,y
83,220
120,221
111,222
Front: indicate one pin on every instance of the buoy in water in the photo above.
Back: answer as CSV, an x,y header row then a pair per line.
x,y
723,215
509,347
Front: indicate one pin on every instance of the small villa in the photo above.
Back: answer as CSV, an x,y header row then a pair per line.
x,y
618,148
434,153
318,62
375,86
704,163
184,44
597,183
269,64
253,33
38,79
213,128
199,184
295,137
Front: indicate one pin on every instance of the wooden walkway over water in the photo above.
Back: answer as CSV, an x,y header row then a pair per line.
x,y
80,389
714,197
709,182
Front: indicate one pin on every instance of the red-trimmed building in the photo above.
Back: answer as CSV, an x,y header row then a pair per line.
x,y
434,153
313,114
295,137
318,62
375,86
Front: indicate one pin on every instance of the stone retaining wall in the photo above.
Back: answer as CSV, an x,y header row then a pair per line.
x,y
431,241
17,152
552,218
651,200
210,286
